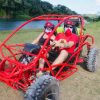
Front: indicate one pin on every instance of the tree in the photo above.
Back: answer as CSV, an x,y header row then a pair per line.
x,y
36,8
1,2
46,7
61,9
14,8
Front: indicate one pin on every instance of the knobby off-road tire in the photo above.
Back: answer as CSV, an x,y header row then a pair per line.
x,y
91,60
46,87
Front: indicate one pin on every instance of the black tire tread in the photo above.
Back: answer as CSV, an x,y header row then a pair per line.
x,y
36,89
91,60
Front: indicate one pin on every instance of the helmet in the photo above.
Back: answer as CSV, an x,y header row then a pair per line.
x,y
49,25
68,23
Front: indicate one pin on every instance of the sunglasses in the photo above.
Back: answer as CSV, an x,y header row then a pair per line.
x,y
48,27
68,26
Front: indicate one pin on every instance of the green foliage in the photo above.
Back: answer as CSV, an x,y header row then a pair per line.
x,y
46,7
2,12
17,8
61,9
36,8
92,18
96,19
88,18
24,16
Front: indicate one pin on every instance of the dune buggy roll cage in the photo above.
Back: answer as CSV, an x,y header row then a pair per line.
x,y
20,76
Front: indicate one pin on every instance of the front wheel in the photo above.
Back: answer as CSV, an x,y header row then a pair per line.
x,y
45,88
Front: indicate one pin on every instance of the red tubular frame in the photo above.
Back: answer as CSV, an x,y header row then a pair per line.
x,y
17,75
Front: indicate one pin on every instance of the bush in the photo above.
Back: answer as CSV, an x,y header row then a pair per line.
x,y
2,13
24,16
96,19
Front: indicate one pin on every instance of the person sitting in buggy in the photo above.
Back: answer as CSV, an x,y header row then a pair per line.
x,y
67,47
40,40
35,46
48,27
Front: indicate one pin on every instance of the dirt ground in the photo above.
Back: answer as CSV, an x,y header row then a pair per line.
x,y
83,85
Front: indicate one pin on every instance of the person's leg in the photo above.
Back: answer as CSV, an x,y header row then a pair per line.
x,y
42,62
41,65
61,58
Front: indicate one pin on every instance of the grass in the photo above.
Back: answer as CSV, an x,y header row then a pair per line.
x,y
22,36
94,30
83,85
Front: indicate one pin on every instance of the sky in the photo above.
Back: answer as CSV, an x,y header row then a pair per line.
x,y
80,6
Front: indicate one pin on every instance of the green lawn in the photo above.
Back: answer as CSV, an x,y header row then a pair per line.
x,y
23,36
94,30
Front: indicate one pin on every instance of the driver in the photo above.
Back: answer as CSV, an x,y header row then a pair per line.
x,y
48,27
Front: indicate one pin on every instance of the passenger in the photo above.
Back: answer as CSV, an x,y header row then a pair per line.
x,y
67,47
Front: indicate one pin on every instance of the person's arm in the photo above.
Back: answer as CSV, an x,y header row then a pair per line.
x,y
69,44
61,43
57,43
52,40
37,39
53,37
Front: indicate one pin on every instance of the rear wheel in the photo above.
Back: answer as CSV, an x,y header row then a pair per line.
x,y
45,88
91,60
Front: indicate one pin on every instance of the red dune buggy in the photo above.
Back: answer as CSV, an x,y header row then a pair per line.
x,y
19,65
